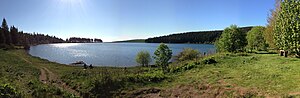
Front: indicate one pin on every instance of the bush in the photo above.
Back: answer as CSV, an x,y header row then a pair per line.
x,y
143,58
188,54
104,87
210,60
185,67
7,91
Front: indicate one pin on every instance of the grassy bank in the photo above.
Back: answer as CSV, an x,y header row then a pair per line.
x,y
234,75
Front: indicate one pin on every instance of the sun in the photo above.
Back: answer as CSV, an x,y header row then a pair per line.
x,y
71,1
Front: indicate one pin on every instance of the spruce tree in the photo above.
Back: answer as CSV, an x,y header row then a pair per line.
x,y
14,35
2,37
5,30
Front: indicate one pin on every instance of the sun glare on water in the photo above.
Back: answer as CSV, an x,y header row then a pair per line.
x,y
65,45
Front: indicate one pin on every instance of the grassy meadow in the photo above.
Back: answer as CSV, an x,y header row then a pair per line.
x,y
233,75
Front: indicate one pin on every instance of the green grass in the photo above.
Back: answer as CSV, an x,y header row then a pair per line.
x,y
253,74
23,76
267,73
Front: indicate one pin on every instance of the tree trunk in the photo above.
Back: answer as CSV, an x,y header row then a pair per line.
x,y
286,53
281,52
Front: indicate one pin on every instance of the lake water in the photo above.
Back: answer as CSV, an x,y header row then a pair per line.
x,y
105,54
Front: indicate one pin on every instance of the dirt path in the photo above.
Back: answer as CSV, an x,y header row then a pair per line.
x,y
43,76
294,93
48,77
54,80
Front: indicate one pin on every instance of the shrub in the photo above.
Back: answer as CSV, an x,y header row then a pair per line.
x,y
104,87
210,60
7,91
188,54
185,67
143,58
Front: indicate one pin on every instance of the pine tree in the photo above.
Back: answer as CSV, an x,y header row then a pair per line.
x,y
5,30
14,35
2,37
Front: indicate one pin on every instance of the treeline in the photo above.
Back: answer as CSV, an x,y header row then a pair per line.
x,y
282,33
10,37
83,40
201,37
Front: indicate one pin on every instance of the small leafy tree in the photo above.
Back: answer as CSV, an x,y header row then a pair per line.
x,y
256,38
188,54
143,58
231,40
162,56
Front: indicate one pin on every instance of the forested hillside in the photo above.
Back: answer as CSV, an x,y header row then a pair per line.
x,y
13,37
200,37
83,40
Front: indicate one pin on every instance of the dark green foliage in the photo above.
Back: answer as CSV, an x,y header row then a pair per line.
x,y
152,76
44,91
256,40
201,37
2,37
209,60
231,40
131,41
185,67
189,37
4,25
6,32
143,58
162,56
287,26
7,91
105,86
83,40
188,54
12,37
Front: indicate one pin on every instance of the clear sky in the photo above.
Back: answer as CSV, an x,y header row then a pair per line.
x,y
113,20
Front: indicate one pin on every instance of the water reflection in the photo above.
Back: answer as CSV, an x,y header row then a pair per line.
x,y
64,45
105,54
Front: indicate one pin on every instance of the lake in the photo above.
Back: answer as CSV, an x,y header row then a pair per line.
x,y
105,54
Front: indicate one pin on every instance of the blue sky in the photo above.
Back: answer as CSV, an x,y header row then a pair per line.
x,y
113,20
